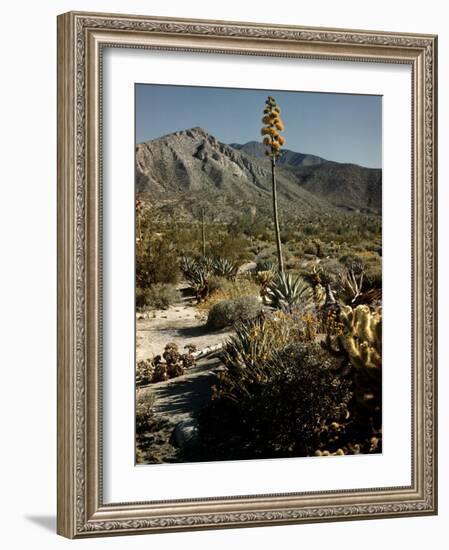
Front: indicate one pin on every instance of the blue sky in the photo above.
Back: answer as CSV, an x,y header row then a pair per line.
x,y
338,127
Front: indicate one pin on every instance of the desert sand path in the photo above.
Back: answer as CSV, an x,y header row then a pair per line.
x,y
177,399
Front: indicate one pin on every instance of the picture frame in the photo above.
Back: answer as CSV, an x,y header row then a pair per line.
x,y
82,40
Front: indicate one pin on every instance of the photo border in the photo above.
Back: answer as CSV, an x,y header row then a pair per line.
x,y
81,39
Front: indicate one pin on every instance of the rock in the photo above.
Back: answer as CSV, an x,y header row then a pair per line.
x,y
186,433
248,267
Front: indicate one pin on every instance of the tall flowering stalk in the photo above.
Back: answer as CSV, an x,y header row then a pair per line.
x,y
273,141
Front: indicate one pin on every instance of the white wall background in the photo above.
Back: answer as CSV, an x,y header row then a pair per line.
x,y
28,270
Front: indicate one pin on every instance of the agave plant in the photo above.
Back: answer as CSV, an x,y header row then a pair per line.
x,y
206,263
243,351
352,283
199,282
266,266
224,268
247,353
187,265
264,279
273,141
286,290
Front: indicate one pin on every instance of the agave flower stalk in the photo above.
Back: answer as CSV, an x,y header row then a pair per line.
x,y
273,141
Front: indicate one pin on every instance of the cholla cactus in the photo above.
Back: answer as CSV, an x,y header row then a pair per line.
x,y
273,141
362,337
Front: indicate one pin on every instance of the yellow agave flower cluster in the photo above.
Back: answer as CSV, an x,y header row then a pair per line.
x,y
272,127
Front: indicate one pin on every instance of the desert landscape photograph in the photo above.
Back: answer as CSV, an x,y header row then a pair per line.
x,y
258,274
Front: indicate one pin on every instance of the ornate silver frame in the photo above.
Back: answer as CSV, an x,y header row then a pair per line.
x,y
81,37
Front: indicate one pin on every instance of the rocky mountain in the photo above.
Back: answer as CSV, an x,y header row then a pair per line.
x,y
185,168
288,157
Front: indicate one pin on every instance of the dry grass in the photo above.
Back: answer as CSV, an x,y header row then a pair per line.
x,y
230,290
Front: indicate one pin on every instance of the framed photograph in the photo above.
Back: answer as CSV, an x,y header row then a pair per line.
x,y
246,274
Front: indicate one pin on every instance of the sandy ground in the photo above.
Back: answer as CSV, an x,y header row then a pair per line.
x,y
181,323
177,399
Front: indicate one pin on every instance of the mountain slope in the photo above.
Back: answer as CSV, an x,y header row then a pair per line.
x,y
189,167
288,157
347,186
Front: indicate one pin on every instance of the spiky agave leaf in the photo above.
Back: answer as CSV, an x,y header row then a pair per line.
x,y
266,266
187,265
288,290
224,268
206,263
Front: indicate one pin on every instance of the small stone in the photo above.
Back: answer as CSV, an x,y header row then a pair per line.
x,y
186,433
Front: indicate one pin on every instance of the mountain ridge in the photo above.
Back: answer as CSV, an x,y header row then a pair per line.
x,y
191,165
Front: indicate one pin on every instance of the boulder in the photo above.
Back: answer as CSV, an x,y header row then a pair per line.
x,y
186,433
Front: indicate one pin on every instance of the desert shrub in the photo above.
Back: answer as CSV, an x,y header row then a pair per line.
x,y
287,236
229,312
217,284
309,247
373,275
352,259
321,275
285,415
156,296
152,431
222,289
265,236
156,262
247,353
144,412
230,247
144,372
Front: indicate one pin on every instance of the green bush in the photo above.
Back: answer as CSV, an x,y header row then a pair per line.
x,y
156,262
217,284
229,312
157,296
144,412
287,415
232,248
